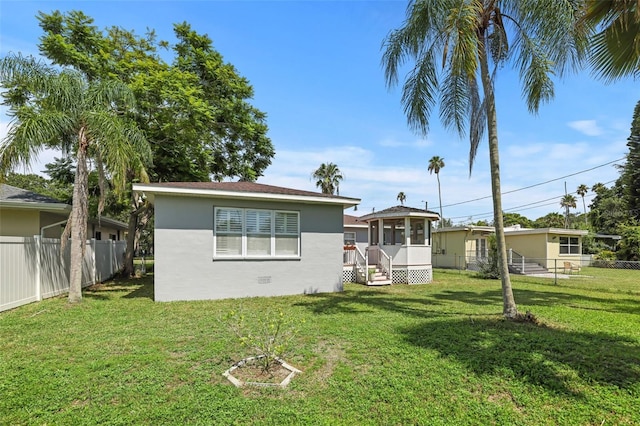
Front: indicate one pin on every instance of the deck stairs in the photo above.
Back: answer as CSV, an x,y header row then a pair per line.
x,y
378,277
530,268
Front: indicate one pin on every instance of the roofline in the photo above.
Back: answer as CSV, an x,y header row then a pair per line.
x,y
558,231
466,228
346,202
55,207
374,215
103,220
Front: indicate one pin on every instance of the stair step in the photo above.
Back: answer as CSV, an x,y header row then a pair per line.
x,y
380,282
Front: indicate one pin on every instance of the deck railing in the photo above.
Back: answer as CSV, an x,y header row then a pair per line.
x,y
361,263
384,262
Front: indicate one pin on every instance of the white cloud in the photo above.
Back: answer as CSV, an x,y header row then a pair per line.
x,y
586,127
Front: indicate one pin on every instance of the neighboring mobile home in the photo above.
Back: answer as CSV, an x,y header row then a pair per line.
x,y
534,250
458,246
25,214
215,240
355,232
547,247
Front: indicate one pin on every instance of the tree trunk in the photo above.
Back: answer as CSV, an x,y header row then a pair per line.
x,y
440,225
131,235
138,220
584,207
509,308
78,220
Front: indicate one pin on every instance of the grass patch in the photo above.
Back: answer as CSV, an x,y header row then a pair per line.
x,y
426,354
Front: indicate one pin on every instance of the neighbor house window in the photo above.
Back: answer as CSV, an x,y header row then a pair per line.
x,y
569,245
256,233
349,238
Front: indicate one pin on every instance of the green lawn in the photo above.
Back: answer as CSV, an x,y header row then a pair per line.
x,y
426,354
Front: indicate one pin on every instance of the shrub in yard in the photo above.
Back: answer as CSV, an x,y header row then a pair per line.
x,y
268,335
488,267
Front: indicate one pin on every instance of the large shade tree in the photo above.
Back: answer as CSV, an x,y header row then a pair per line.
x,y
436,163
328,177
62,109
457,48
194,110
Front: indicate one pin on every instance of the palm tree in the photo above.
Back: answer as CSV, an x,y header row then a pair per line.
x,y
62,109
459,45
328,177
435,164
401,197
567,201
615,51
582,191
598,187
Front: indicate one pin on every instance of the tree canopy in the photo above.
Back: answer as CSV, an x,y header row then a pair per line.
x,y
87,118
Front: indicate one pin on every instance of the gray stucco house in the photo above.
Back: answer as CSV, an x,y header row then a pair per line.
x,y
216,240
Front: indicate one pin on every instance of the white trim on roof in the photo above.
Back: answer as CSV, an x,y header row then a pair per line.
x,y
31,205
471,228
261,196
399,215
554,231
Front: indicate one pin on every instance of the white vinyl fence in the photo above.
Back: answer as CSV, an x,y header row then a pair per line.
x,y
32,268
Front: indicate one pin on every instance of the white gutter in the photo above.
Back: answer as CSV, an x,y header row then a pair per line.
x,y
51,226
344,201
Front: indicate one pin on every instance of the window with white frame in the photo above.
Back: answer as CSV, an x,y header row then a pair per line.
x,y
569,245
349,238
256,233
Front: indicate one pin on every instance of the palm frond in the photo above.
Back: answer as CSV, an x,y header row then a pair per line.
x,y
477,121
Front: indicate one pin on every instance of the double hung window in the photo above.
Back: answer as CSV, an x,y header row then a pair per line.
x,y
256,233
569,245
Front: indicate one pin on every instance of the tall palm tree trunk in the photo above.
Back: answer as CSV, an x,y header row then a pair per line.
x,y
584,208
440,201
79,216
509,308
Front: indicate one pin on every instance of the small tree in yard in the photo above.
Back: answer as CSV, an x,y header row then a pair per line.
x,y
268,337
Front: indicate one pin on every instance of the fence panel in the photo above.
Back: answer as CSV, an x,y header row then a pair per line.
x,y
18,272
119,249
33,268
54,268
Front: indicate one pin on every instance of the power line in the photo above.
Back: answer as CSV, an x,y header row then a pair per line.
x,y
529,206
537,184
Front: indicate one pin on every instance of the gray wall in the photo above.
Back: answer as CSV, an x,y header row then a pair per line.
x,y
185,269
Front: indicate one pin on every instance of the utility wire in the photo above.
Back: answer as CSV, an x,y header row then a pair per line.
x,y
528,205
536,184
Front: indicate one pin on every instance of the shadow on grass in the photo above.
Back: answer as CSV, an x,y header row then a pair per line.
x,y
557,360
544,298
133,287
560,361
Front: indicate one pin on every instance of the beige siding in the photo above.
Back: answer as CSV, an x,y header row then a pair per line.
x,y
528,245
19,223
543,249
454,246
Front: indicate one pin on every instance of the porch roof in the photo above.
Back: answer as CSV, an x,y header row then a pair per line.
x,y
399,212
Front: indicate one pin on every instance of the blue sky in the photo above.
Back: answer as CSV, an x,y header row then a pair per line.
x,y
315,69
